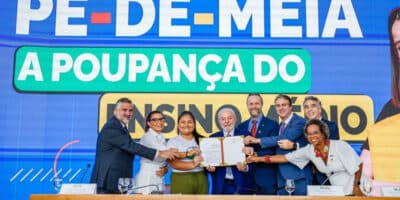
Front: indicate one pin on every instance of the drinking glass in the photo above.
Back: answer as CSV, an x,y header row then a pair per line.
x,y
366,186
57,183
160,189
290,187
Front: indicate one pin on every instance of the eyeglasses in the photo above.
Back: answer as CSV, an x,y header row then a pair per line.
x,y
312,133
157,119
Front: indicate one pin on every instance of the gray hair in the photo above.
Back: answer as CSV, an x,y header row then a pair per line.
x,y
226,109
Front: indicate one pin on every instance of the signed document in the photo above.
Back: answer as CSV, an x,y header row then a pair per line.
x,y
222,151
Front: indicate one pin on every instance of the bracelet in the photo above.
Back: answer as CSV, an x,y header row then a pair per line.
x,y
187,156
267,159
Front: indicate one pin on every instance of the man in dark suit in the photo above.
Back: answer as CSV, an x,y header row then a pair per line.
x,y
230,179
312,108
261,126
291,128
115,150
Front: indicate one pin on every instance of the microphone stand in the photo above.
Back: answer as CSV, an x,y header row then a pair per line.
x,y
157,191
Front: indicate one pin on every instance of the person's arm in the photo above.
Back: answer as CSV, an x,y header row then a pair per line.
x,y
188,154
162,171
356,185
293,134
287,144
267,159
116,138
182,165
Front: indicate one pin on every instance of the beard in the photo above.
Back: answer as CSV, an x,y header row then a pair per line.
x,y
255,112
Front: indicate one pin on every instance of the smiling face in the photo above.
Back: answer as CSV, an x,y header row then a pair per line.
x,y
156,122
186,125
314,135
227,120
312,109
123,112
254,105
283,108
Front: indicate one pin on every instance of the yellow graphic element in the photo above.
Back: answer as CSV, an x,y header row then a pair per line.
x,y
352,113
384,143
204,18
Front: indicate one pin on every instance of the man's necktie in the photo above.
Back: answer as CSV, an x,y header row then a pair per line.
x,y
254,128
282,128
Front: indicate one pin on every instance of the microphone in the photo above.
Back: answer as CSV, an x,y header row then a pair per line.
x,y
157,191
84,173
327,178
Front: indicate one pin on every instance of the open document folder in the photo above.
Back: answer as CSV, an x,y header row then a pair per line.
x,y
222,151
384,143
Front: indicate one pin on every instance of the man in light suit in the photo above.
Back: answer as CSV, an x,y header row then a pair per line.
x,y
115,150
291,128
230,179
264,127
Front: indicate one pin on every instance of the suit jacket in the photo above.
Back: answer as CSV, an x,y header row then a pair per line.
x,y
263,174
241,179
333,129
115,151
294,131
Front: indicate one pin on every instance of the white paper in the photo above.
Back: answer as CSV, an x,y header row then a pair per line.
x,y
78,188
390,191
211,151
233,150
325,190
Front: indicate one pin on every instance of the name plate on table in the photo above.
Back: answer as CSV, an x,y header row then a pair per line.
x,y
390,191
325,190
78,188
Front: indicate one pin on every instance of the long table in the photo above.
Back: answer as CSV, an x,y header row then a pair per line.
x,y
193,197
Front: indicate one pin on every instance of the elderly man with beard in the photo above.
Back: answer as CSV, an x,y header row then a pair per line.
x,y
230,179
115,150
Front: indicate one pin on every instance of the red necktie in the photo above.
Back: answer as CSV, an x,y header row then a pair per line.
x,y
254,128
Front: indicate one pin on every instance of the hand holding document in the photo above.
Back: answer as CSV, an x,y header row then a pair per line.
x,y
222,151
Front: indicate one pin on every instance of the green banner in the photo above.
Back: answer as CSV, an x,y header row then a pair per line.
x,y
77,69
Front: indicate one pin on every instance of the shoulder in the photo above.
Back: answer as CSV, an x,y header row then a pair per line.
x,y
240,132
296,119
388,110
146,135
112,123
267,120
329,123
243,124
217,134
339,143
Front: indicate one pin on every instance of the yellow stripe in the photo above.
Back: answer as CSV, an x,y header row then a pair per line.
x,y
203,18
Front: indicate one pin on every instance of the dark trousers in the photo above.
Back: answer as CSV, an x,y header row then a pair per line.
x,y
229,187
105,191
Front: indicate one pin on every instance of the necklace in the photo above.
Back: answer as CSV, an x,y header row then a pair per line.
x,y
324,153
